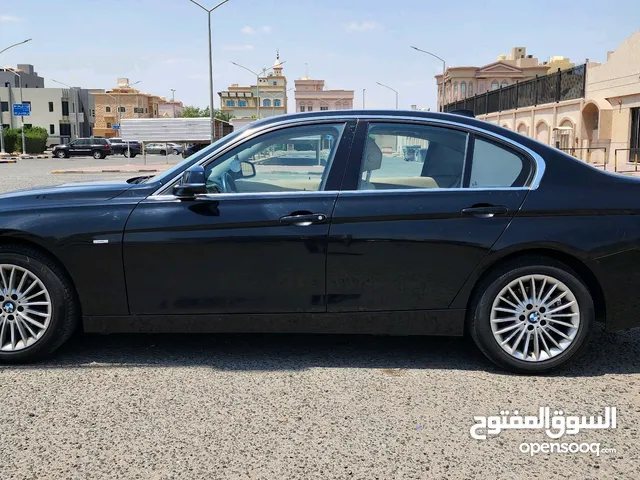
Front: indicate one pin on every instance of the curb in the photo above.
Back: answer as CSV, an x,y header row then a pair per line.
x,y
25,157
9,160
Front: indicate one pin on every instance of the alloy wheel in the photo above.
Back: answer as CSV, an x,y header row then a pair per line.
x,y
535,318
25,308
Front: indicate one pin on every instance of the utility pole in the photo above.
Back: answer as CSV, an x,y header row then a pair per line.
x,y
363,93
173,101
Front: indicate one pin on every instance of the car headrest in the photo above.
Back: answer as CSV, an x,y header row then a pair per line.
x,y
373,156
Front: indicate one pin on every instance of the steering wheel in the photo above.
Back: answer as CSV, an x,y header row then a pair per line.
x,y
228,184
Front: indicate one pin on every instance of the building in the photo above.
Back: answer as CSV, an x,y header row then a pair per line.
x,y
170,108
124,101
311,95
592,110
270,93
463,82
30,78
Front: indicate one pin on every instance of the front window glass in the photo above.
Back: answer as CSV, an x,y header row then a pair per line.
x,y
290,159
401,156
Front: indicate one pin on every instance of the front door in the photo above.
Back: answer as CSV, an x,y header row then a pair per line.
x,y
256,243
409,233
80,146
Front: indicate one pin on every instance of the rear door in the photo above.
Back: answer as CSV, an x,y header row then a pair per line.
x,y
407,231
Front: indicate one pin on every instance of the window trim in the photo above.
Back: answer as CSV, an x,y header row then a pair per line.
x,y
536,159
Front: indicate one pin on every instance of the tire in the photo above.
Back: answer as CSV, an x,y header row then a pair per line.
x,y
163,152
176,152
133,155
61,154
98,155
126,153
533,317
60,317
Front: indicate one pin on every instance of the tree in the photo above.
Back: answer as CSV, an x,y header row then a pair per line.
x,y
192,111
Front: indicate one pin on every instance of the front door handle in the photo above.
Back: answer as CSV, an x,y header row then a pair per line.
x,y
485,211
304,220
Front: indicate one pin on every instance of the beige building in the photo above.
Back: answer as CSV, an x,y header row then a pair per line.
x,y
170,108
311,95
464,82
592,110
124,101
270,94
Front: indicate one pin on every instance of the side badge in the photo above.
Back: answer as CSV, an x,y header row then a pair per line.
x,y
100,241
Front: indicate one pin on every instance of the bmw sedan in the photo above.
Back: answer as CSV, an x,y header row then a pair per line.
x,y
315,223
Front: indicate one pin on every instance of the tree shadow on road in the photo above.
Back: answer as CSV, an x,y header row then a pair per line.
x,y
609,353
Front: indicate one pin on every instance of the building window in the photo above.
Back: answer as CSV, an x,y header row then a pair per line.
x,y
28,125
302,108
65,108
122,109
463,90
495,85
277,102
4,106
51,106
65,130
266,102
231,103
52,127
5,126
108,124
309,109
275,84
242,103
470,89
138,110
504,84
324,108
455,91
107,109
146,110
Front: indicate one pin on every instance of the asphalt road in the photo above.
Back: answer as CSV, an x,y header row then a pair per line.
x,y
298,407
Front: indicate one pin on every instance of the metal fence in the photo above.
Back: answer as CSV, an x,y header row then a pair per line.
x,y
626,159
555,87
587,154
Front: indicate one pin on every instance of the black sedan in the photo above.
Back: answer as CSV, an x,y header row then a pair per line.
x,y
316,223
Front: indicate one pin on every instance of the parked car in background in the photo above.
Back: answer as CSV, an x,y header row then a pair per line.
x,y
193,148
94,147
163,148
124,147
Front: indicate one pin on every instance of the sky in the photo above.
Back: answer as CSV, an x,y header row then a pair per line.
x,y
351,44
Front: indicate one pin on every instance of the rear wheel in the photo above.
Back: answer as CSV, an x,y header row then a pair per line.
x,y
532,315
37,306
97,154
176,152
126,153
163,152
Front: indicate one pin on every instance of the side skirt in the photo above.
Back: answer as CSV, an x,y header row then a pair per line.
x,y
424,322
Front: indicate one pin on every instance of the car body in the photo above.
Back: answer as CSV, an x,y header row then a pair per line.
x,y
94,146
163,148
490,231
192,148
129,148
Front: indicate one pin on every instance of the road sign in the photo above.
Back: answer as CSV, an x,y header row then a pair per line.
x,y
115,127
21,109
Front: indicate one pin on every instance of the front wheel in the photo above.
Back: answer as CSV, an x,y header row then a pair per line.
x,y
176,152
37,306
126,153
163,152
532,315
98,155
61,154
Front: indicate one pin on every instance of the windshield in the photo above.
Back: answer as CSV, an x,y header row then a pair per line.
x,y
196,157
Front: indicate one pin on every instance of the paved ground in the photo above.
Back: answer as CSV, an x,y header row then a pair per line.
x,y
298,407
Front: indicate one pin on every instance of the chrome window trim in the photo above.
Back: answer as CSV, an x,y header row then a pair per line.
x,y
539,162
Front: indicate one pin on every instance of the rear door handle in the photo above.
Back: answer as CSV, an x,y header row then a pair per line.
x,y
304,220
485,211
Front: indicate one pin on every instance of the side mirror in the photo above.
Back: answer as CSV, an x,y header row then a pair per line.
x,y
193,183
248,169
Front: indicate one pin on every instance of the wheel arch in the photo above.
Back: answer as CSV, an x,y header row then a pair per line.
x,y
35,245
571,261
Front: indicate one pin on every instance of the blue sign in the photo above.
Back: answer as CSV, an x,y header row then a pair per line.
x,y
21,109
115,127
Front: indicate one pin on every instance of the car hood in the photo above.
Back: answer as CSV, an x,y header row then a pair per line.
x,y
68,192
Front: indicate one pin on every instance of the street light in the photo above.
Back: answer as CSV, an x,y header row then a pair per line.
x,y
9,69
118,117
173,101
444,69
257,83
15,45
211,112
392,89
77,105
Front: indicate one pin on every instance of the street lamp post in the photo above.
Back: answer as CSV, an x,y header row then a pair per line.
x,y
392,89
24,146
118,116
364,90
262,72
77,104
444,70
15,45
173,101
211,112
1,128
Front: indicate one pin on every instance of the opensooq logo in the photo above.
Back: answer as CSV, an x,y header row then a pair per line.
x,y
556,425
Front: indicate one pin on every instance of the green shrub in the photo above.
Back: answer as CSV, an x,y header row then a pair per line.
x,y
35,139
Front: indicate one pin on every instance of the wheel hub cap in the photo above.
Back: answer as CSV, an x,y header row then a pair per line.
x,y
9,307
535,318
